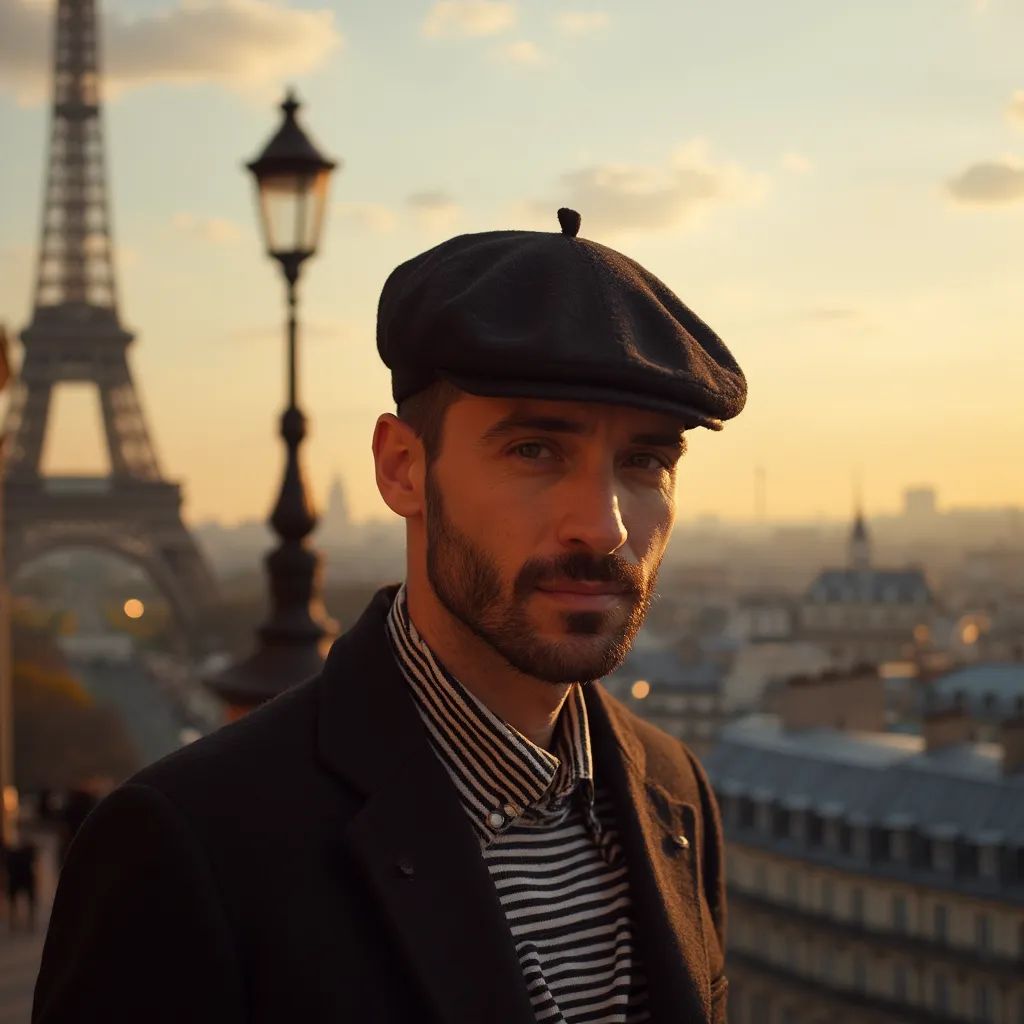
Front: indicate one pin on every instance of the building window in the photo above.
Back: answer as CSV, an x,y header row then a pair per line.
x,y
983,933
899,913
988,862
780,823
860,974
826,964
941,923
760,879
746,812
833,837
982,1003
861,837
814,828
940,992
792,887
899,845
942,855
798,826
899,983
857,905
828,901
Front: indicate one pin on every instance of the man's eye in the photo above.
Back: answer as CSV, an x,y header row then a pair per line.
x,y
646,460
532,450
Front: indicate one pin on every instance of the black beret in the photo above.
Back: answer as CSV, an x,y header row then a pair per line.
x,y
535,314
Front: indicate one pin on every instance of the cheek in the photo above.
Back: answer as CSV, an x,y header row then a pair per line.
x,y
649,526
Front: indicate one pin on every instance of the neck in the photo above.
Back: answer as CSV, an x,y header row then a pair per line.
x,y
528,704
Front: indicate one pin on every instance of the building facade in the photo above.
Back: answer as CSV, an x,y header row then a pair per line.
x,y
862,614
872,876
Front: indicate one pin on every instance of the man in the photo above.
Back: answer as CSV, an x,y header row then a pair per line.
x,y
454,822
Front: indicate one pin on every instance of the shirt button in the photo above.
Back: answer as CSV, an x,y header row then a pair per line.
x,y
495,819
681,841
511,810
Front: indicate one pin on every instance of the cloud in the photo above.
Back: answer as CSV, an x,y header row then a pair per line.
x,y
615,198
374,217
797,163
1015,108
218,230
989,183
581,23
462,18
240,44
435,211
520,52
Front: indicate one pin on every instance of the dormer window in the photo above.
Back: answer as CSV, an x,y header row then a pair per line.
x,y
899,826
899,845
764,808
989,856
860,838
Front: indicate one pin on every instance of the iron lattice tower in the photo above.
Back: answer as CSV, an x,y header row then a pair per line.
x,y
75,335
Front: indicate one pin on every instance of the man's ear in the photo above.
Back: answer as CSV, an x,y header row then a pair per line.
x,y
399,461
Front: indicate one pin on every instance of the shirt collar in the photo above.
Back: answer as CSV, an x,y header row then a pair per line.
x,y
499,774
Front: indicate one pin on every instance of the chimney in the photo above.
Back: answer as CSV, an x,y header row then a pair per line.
x,y
947,727
851,701
1011,739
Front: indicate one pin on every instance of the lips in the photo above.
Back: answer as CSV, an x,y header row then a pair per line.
x,y
585,588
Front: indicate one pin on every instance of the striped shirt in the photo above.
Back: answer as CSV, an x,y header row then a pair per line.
x,y
547,835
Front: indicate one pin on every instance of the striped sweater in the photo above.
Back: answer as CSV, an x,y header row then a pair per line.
x,y
547,835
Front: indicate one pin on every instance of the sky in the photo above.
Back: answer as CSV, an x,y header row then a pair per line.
x,y
837,189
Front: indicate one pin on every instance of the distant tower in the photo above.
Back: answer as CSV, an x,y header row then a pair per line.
x,y
76,335
336,522
337,503
860,544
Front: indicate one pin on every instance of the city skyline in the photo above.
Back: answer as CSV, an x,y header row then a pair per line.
x,y
847,219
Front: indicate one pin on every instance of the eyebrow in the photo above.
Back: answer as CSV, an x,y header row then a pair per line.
x,y
560,425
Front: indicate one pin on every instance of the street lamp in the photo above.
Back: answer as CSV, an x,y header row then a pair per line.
x,y
291,181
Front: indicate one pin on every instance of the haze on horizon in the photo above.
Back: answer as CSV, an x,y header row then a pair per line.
x,y
836,189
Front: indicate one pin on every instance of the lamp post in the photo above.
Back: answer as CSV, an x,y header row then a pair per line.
x,y
291,181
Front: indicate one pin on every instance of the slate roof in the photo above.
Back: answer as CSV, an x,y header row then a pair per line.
x,y
871,586
991,690
878,778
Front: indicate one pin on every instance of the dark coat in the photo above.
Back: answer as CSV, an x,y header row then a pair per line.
x,y
312,863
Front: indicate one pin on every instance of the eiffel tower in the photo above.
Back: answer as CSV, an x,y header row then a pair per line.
x,y
75,335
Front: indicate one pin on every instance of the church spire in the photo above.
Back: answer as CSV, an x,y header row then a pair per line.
x,y
860,541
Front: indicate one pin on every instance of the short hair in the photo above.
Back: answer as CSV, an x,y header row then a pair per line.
x,y
424,411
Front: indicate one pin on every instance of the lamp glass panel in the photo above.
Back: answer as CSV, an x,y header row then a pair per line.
x,y
314,208
282,205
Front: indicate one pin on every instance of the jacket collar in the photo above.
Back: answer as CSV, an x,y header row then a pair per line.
x,y
419,854
494,767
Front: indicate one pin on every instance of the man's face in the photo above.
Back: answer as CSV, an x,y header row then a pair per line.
x,y
546,525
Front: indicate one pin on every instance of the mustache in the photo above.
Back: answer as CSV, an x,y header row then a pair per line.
x,y
580,566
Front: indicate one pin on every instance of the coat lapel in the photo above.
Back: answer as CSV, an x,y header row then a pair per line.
x,y
411,839
664,873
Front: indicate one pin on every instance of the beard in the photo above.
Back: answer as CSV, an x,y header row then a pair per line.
x,y
467,581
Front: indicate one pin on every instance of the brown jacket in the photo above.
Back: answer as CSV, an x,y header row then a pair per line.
x,y
311,863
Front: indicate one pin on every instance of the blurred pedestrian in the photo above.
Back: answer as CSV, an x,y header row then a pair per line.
x,y
20,856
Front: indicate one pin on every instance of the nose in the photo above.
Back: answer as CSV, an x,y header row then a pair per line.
x,y
592,517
